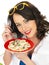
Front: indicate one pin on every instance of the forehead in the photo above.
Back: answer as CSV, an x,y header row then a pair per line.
x,y
17,17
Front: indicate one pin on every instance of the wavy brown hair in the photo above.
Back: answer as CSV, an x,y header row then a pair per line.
x,y
30,13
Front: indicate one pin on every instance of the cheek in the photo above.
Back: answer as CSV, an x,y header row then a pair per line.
x,y
20,30
33,27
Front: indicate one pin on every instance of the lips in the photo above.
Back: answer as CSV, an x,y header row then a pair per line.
x,y
27,32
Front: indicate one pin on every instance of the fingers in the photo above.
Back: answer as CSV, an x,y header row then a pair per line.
x,y
20,53
7,31
7,34
8,27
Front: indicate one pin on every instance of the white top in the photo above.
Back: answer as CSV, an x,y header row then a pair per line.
x,y
40,55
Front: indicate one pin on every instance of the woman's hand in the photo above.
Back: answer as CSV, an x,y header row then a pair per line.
x,y
24,57
7,34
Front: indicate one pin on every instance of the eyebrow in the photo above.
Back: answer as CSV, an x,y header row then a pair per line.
x,y
23,21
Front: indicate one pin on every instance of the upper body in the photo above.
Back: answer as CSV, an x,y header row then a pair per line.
x,y
40,55
25,19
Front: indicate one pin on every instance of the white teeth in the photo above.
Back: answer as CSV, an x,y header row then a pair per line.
x,y
27,31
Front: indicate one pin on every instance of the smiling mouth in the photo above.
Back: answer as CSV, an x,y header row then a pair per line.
x,y
27,32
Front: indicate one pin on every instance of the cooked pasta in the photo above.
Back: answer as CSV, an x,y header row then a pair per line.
x,y
19,45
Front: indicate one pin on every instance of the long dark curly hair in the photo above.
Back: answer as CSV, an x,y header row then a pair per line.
x,y
30,13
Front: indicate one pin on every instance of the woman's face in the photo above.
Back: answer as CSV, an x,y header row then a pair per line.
x,y
28,28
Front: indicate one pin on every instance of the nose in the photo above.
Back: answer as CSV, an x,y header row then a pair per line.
x,y
24,27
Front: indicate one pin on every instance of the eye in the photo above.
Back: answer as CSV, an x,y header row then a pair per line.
x,y
18,25
26,20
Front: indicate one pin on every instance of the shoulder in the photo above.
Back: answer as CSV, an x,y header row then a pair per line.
x,y
41,52
45,40
43,46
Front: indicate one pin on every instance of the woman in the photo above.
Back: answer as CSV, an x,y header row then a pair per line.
x,y
26,21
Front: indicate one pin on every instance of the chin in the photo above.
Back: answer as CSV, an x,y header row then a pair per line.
x,y
29,36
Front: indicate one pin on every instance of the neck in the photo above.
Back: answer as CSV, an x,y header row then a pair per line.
x,y
35,40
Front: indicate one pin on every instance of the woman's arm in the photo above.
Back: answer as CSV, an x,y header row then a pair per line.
x,y
7,57
28,61
7,35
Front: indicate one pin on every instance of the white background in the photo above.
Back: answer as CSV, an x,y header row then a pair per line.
x,y
5,5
